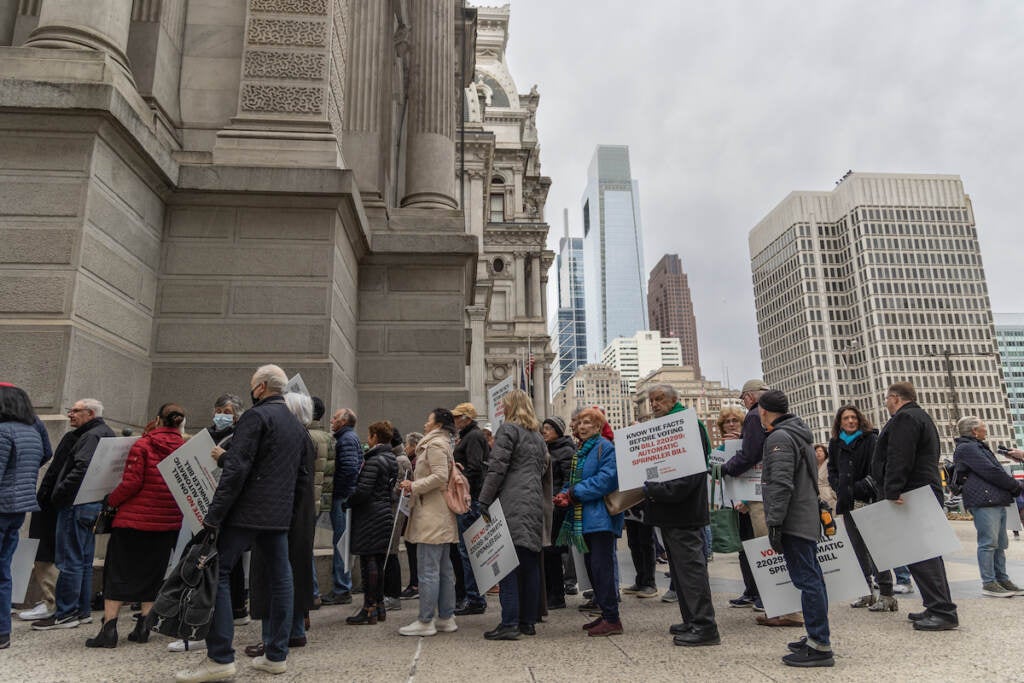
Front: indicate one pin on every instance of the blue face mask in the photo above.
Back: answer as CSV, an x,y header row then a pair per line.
x,y
223,420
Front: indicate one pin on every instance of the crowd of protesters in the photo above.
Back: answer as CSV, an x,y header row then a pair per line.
x,y
279,469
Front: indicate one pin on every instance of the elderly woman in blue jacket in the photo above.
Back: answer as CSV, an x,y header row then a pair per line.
x,y
987,491
588,527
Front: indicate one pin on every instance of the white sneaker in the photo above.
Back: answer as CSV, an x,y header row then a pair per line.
x,y
209,670
446,625
242,621
903,588
40,611
193,646
264,664
418,628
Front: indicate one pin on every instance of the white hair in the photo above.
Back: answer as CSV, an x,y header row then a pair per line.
x,y
965,426
301,406
92,404
274,377
666,389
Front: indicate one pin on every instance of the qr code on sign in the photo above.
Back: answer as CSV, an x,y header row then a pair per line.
x,y
495,568
757,489
652,473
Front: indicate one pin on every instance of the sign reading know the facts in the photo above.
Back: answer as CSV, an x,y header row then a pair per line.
x,y
898,535
661,449
192,475
843,577
490,549
105,468
494,396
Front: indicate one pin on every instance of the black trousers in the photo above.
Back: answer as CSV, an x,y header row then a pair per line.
x,y
460,577
867,565
930,577
746,533
392,577
641,546
600,563
410,554
689,571
554,577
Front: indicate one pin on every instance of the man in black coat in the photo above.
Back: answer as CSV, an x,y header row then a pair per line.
x,y
253,506
471,453
907,458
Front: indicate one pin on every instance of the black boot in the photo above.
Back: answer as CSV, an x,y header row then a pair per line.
x,y
140,634
366,615
107,637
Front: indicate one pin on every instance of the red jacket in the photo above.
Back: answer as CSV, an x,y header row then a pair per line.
x,y
142,499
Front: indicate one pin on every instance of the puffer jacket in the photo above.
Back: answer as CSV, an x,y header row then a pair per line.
x,y
348,458
21,456
789,479
515,471
600,476
680,503
323,481
561,449
142,499
983,480
371,502
471,452
430,519
71,460
849,470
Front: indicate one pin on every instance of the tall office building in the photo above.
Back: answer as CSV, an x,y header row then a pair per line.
x,y
670,307
877,281
641,354
1010,339
612,249
569,329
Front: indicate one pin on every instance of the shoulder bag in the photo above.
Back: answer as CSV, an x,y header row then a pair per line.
x,y
725,522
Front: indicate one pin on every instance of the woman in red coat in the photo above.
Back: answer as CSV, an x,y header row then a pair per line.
x,y
145,528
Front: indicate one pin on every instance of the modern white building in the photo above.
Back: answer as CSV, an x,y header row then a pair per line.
x,y
1010,339
643,353
877,281
598,385
613,250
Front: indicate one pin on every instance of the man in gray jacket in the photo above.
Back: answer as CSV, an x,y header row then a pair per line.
x,y
790,492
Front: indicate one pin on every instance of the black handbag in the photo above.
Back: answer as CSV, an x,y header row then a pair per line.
x,y
105,519
184,606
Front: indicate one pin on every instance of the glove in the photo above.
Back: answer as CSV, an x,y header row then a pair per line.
x,y
485,512
775,538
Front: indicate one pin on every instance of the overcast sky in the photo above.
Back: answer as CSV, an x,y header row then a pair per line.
x,y
727,106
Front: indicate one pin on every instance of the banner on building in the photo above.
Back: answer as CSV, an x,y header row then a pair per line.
x,y
898,535
192,475
661,449
494,395
105,468
491,553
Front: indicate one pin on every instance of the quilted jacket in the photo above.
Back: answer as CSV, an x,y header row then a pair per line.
x,y
142,499
21,455
371,502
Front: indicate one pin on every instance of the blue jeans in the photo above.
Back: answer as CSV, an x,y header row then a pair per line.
x,y
316,580
76,547
992,542
231,543
298,628
601,566
10,524
473,596
520,590
706,533
902,575
802,563
437,581
342,577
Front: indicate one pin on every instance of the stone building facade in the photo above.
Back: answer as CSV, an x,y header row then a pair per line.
x,y
191,188
599,385
705,396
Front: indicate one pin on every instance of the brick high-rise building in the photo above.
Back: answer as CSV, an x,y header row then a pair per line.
x,y
670,307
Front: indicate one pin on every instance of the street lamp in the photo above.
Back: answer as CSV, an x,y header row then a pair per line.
x,y
954,398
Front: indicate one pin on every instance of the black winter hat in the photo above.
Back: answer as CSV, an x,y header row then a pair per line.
x,y
557,423
774,401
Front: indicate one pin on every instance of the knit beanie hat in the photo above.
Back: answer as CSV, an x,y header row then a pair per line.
x,y
557,423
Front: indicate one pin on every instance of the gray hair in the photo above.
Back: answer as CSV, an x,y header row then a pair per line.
x,y
666,389
301,406
92,404
965,426
413,439
274,377
350,417
229,400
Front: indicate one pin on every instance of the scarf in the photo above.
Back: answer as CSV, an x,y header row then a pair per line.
x,y
571,533
849,438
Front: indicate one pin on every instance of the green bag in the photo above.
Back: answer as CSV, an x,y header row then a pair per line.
x,y
725,523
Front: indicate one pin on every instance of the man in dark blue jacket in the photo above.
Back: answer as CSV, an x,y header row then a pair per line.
x,y
348,458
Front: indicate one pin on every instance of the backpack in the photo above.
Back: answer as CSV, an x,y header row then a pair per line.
x,y
184,606
456,493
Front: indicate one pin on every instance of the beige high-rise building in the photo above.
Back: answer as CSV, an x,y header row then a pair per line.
x,y
877,281
643,353
670,307
596,385
707,397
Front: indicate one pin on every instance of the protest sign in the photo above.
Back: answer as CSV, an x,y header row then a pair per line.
x,y
22,562
897,535
490,549
582,578
745,487
661,449
297,385
192,475
844,579
1013,518
105,468
494,395
403,504
184,536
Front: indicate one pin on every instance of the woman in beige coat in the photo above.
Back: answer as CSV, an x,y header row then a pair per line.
x,y
432,526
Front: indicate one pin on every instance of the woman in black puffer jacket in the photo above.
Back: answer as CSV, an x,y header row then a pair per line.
x,y
372,518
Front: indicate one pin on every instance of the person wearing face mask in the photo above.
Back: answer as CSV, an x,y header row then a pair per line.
x,y
226,411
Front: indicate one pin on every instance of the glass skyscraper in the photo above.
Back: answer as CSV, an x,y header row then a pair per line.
x,y
613,251
570,326
1010,340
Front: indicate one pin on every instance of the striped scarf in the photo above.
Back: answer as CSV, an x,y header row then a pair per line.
x,y
571,533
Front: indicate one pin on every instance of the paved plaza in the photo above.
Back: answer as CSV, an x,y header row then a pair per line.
x,y
869,647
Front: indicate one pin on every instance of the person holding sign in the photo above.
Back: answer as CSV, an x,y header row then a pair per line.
x,y
514,472
144,530
790,492
588,527
907,458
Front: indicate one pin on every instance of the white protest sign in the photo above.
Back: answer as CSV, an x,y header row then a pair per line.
x,y
1013,518
745,487
491,553
582,578
344,543
843,577
192,475
494,395
403,504
297,385
105,468
718,457
897,535
22,561
184,536
661,449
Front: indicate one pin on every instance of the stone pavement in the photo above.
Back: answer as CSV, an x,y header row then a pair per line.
x,y
869,647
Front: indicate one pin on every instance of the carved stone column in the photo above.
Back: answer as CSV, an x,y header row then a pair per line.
x,y
540,389
519,284
536,303
73,24
430,157
477,361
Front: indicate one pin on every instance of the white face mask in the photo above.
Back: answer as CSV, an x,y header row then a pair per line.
x,y
223,420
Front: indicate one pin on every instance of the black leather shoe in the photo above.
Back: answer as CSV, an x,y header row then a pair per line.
x,y
528,629
503,633
695,638
469,609
917,616
934,623
679,629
